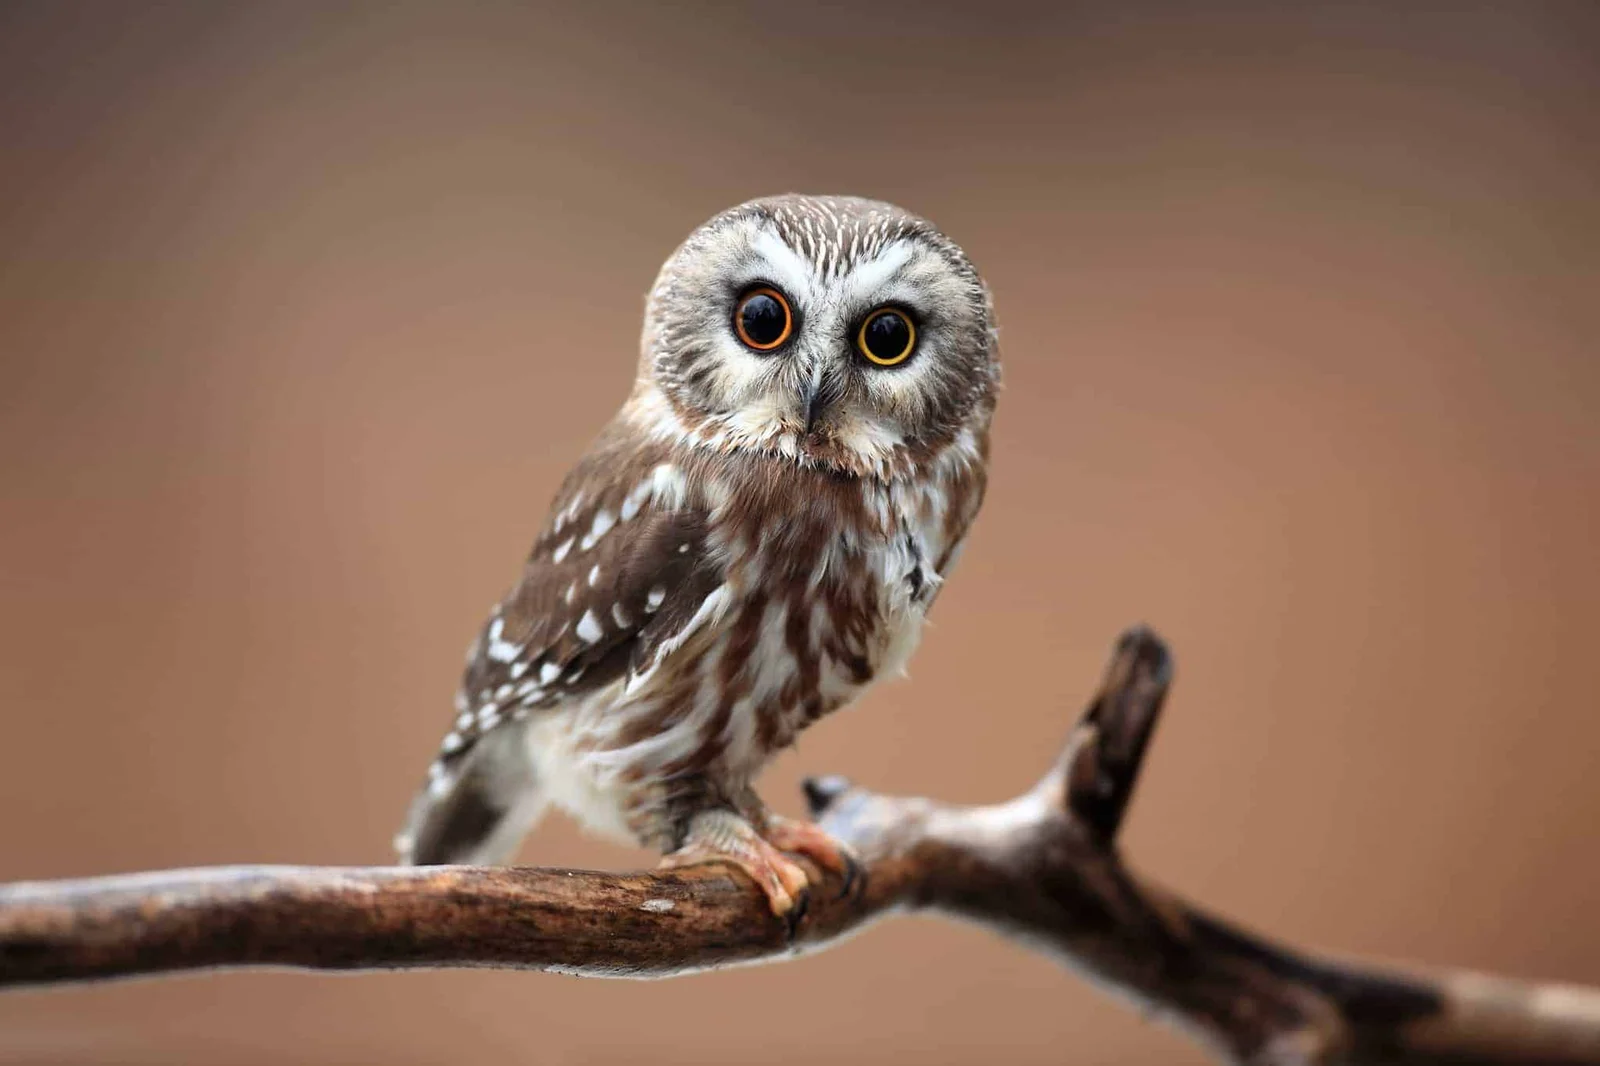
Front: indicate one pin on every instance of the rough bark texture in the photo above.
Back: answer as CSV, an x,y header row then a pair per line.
x,y
1042,869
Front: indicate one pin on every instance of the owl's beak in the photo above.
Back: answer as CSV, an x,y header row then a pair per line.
x,y
816,396
814,404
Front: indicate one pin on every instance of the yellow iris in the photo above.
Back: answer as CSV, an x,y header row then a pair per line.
x,y
887,337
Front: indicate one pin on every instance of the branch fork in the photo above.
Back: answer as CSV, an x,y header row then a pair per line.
x,y
1042,869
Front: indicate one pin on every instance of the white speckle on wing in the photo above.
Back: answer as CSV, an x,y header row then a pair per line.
x,y
657,906
571,593
653,600
635,499
603,521
594,575
589,629
548,673
503,692
438,779
519,668
710,609
452,743
561,550
464,719
501,651
619,616
682,548
504,651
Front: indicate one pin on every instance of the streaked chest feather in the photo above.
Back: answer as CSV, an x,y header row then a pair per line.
x,y
822,593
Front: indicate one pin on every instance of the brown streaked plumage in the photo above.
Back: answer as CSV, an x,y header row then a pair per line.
x,y
754,538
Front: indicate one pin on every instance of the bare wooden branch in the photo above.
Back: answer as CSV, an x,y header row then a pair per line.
x,y
1042,869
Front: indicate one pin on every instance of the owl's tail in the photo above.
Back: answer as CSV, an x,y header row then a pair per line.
x,y
480,810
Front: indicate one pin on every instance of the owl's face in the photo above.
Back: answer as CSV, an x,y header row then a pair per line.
x,y
837,331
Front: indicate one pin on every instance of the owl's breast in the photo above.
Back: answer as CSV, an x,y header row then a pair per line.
x,y
825,584
864,594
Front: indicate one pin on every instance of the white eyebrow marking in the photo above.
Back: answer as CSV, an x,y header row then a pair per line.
x,y
785,267
868,277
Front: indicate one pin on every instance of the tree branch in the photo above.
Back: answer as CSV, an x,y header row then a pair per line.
x,y
1041,869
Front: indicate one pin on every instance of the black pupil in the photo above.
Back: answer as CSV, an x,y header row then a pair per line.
x,y
763,319
888,335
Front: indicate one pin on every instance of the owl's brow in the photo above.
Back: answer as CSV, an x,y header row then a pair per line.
x,y
778,261
872,274
836,238
785,267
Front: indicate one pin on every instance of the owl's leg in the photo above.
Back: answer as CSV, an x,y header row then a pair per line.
x,y
722,834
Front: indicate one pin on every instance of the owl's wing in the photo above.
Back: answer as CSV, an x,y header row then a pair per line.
x,y
617,579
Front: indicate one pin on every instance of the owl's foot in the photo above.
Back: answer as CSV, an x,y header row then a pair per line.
x,y
808,839
725,836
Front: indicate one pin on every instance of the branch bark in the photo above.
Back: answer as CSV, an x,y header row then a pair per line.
x,y
1042,869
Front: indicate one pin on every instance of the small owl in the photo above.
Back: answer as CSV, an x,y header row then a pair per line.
x,y
754,538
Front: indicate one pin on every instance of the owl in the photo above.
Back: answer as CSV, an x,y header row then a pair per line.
x,y
755,537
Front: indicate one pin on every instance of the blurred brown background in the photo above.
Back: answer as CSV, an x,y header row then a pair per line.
x,y
305,309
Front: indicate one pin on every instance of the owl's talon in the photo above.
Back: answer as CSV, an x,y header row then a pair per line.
x,y
829,853
855,876
722,836
802,903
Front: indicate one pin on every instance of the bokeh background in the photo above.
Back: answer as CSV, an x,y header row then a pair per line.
x,y
305,309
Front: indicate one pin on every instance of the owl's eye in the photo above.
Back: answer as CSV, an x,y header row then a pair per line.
x,y
762,319
887,337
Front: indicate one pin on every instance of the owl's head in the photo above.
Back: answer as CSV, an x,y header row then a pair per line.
x,y
840,332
